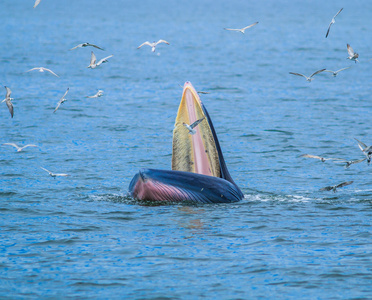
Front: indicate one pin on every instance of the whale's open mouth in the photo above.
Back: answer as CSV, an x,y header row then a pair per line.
x,y
197,152
199,173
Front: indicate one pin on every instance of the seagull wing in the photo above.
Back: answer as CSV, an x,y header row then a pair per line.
x,y
317,72
58,105
29,145
350,50
103,60
338,13
64,95
161,41
232,29
36,3
46,170
361,145
12,144
10,107
249,26
8,92
93,59
357,161
95,46
145,43
298,74
32,69
78,46
61,174
342,69
50,71
311,156
329,28
327,188
196,123
344,184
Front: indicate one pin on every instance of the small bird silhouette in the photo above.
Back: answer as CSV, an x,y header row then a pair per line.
x,y
93,60
8,101
334,73
352,55
242,30
86,45
310,78
153,45
335,187
19,149
42,69
332,22
193,125
54,175
61,100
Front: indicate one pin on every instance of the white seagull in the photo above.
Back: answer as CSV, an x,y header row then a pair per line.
x,y
310,78
334,73
348,163
192,126
98,94
242,29
352,55
54,175
323,159
334,187
93,60
8,101
19,149
42,69
61,100
332,22
36,3
153,45
86,45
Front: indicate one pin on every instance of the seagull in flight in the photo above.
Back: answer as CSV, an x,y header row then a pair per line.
x,y
42,69
332,22
86,45
8,101
242,29
334,73
19,149
98,94
348,163
352,55
193,125
54,175
36,3
61,100
310,78
322,159
367,150
153,45
335,187
93,60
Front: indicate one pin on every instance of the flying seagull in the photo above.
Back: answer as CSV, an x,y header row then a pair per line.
x,y
242,29
332,22
193,125
8,101
310,78
348,163
98,94
61,100
93,60
54,175
19,149
323,159
153,45
86,45
36,3
335,187
334,73
42,69
352,55
367,150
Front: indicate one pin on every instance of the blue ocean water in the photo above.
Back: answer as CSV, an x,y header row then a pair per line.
x,y
82,237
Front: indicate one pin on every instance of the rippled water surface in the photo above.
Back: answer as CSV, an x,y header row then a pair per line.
x,y
82,237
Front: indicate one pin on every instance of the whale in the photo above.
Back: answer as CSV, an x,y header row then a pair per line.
x,y
199,173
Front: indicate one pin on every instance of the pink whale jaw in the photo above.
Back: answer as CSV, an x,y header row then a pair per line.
x,y
153,190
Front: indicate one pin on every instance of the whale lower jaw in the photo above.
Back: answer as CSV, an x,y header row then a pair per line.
x,y
179,186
